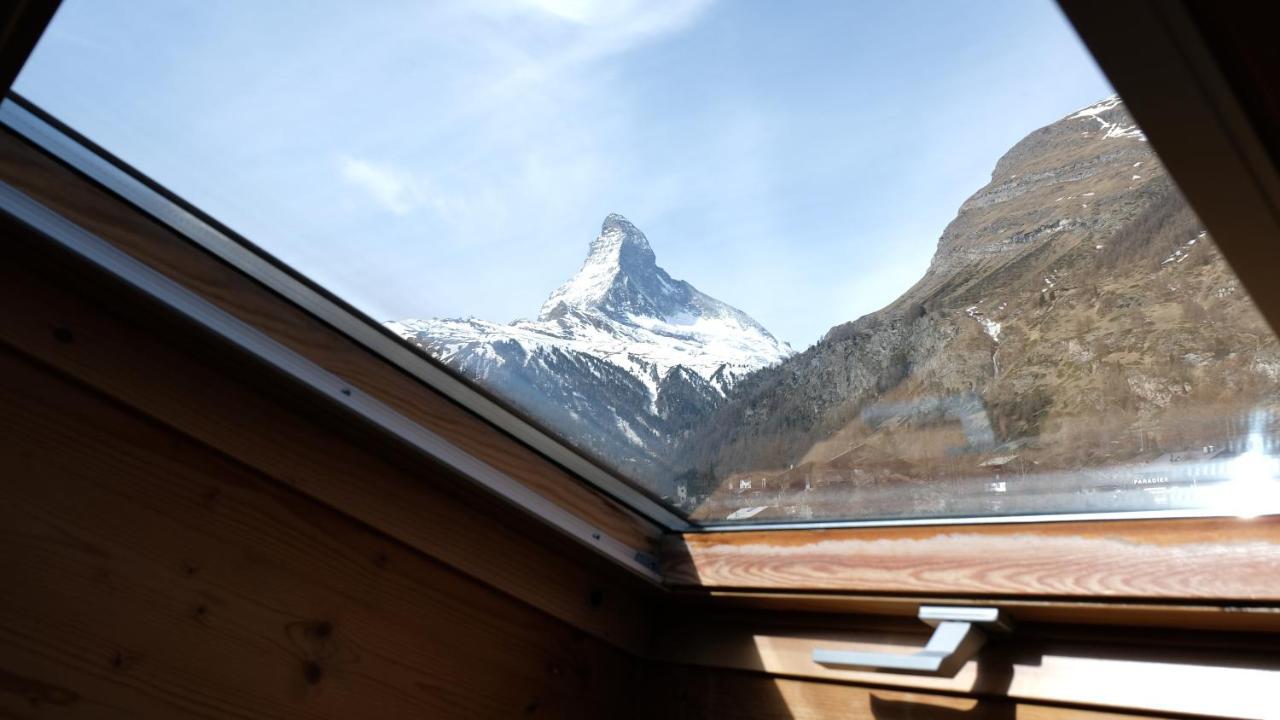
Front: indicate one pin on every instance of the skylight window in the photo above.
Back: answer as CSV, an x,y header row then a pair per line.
x,y
869,261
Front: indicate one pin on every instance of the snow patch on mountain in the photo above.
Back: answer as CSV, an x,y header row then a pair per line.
x,y
1111,128
989,326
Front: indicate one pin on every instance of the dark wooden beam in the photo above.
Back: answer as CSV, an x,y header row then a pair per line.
x,y
22,22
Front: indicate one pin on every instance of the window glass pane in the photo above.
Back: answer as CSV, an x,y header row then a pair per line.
x,y
766,261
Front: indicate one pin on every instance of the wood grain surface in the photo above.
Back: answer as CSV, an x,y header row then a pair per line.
x,y
146,576
1192,559
881,608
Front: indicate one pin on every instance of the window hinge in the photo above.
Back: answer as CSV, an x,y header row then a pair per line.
x,y
648,561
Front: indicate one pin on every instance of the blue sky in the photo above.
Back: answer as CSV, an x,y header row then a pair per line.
x,y
455,158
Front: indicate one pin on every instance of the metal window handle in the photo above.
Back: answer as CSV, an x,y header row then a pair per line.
x,y
957,637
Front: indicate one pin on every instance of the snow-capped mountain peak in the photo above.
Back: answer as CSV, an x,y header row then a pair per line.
x,y
623,307
621,281
622,357
620,266
620,278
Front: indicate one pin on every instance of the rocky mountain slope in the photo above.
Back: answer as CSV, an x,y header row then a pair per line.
x,y
622,360
1075,315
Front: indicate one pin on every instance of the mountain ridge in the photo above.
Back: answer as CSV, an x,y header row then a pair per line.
x,y
1075,313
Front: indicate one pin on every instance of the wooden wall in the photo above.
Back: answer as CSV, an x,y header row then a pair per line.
x,y
147,576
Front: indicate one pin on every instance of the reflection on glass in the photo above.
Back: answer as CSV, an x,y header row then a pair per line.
x,y
1248,482
845,343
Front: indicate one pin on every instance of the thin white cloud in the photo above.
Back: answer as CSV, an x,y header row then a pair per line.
x,y
403,192
626,17
586,31
610,27
579,11
546,158
393,189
